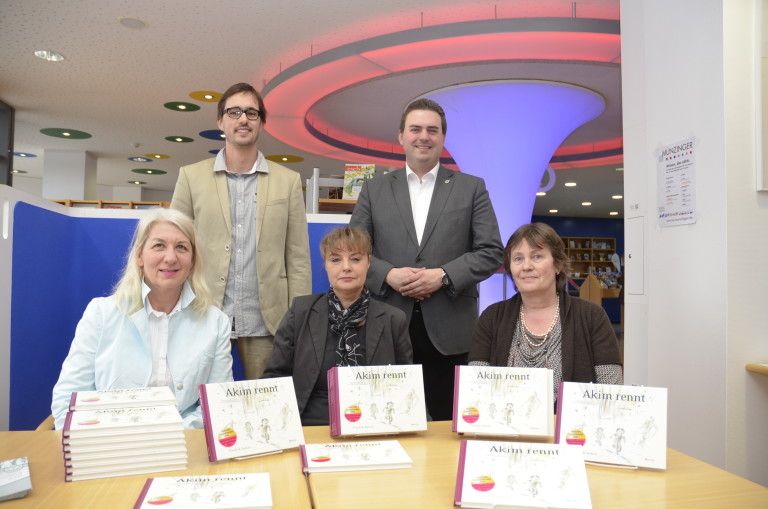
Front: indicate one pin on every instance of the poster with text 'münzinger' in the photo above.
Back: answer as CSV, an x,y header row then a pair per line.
x,y
676,183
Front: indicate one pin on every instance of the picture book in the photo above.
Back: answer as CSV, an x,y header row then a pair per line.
x,y
230,491
250,417
347,456
116,421
503,401
370,400
354,176
521,474
615,424
122,398
15,481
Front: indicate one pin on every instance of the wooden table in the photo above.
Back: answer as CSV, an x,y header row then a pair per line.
x,y
687,482
46,465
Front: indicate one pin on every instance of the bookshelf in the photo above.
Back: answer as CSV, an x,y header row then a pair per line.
x,y
590,255
109,204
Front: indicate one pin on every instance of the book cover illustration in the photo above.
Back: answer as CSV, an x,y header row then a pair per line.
x,y
493,400
233,491
615,424
520,474
15,481
109,421
376,399
250,417
354,176
346,456
121,398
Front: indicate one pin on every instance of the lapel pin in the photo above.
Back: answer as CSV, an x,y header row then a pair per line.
x,y
447,181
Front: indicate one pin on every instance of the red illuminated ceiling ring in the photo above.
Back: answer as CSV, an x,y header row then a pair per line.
x,y
293,93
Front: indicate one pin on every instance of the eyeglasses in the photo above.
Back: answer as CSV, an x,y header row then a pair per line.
x,y
236,112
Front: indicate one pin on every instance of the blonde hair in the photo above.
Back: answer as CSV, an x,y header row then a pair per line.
x,y
346,238
127,291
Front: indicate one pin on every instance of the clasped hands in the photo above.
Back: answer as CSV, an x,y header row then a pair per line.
x,y
416,282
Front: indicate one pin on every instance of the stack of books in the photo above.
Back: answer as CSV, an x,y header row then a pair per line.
x,y
376,400
14,479
123,432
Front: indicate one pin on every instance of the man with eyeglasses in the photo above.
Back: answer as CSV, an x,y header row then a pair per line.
x,y
252,227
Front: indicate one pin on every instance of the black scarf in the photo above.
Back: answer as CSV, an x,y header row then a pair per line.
x,y
343,328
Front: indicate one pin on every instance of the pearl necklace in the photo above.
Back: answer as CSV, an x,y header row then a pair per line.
x,y
527,333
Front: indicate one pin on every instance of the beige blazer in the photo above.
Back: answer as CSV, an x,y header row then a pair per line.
x,y
282,242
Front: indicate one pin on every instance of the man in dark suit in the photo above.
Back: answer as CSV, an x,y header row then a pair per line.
x,y
435,237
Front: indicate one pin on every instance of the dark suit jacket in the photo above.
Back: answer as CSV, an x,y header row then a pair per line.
x,y
461,235
300,342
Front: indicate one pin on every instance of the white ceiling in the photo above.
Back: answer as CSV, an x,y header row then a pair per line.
x,y
114,80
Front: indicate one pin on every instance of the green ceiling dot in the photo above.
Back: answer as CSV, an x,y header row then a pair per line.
x,y
179,139
65,133
149,171
180,106
18,171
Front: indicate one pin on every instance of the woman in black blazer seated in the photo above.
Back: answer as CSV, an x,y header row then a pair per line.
x,y
343,327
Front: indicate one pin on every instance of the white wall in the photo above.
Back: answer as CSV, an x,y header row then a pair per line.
x,y
31,185
681,325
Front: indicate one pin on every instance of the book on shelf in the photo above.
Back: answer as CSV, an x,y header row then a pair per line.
x,y
15,481
119,421
230,491
348,456
250,417
354,176
122,398
503,401
521,474
375,400
621,425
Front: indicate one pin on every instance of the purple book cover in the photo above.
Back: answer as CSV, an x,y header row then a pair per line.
x,y
559,412
304,462
460,473
143,493
333,401
72,401
209,438
454,426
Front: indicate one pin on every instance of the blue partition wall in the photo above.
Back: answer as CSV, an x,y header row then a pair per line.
x,y
60,263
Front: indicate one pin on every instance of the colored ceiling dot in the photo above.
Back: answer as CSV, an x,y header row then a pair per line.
x,y
24,154
140,159
157,156
212,134
18,171
149,171
136,182
285,158
179,139
180,106
206,96
71,134
214,151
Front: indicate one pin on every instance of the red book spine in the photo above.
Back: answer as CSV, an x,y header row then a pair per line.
x,y
559,412
143,494
460,473
210,439
333,401
73,401
304,462
456,399
67,425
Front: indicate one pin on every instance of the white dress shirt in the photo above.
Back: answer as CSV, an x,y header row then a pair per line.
x,y
420,190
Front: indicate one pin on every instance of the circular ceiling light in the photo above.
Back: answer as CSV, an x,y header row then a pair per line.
x,y
133,23
206,96
18,171
136,182
570,184
72,134
541,193
181,106
553,211
24,154
140,159
49,55
157,156
617,197
586,203
149,171
613,213
179,139
212,134
285,158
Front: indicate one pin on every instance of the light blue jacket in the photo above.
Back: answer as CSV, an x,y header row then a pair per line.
x,y
112,350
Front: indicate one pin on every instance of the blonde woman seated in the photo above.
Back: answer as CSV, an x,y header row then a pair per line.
x,y
542,326
156,329
343,327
